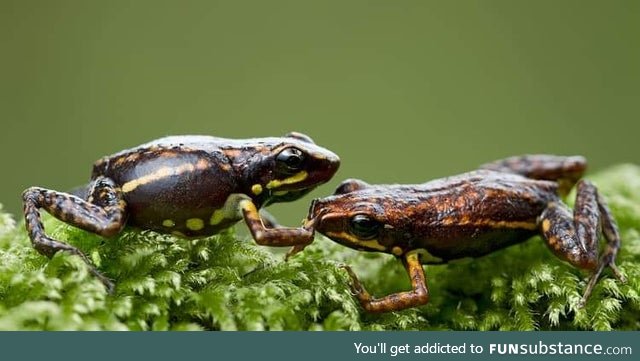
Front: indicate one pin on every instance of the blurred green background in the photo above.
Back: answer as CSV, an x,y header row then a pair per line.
x,y
403,91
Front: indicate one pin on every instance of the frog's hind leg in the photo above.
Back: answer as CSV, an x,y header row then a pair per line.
x,y
565,170
574,238
103,213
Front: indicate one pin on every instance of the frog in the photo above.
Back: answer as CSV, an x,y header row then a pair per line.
x,y
469,215
190,186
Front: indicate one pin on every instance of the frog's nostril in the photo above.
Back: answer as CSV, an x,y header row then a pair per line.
x,y
329,157
333,163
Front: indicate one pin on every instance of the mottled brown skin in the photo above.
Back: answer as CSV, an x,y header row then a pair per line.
x,y
470,215
190,186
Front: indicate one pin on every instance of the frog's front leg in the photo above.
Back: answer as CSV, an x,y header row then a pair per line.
x,y
419,295
102,213
575,239
277,237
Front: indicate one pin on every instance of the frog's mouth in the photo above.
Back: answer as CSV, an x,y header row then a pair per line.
x,y
291,183
297,185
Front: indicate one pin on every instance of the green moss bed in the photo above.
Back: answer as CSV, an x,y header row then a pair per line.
x,y
227,283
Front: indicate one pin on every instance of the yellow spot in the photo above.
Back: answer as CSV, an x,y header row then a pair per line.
x,y
195,224
280,193
216,217
368,244
256,189
178,234
161,173
168,223
296,178
546,225
396,250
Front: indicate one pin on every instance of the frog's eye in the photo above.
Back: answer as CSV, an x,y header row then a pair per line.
x,y
364,227
290,160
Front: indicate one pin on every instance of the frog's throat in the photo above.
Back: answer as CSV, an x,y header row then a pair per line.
x,y
296,178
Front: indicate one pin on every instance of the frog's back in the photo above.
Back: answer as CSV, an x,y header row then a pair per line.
x,y
478,212
203,143
485,196
471,214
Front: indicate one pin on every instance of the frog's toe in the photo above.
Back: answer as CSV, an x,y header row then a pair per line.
x,y
616,271
294,250
109,285
356,287
607,260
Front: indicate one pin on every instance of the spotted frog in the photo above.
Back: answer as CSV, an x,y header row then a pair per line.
x,y
470,215
189,186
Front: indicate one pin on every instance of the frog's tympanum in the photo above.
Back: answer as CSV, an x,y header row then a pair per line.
x,y
189,186
470,215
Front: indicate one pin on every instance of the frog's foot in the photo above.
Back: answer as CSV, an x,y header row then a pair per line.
x,y
294,250
357,289
309,226
107,282
607,260
49,246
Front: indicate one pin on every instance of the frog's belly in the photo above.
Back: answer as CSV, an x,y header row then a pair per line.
x,y
187,223
182,206
473,241
203,214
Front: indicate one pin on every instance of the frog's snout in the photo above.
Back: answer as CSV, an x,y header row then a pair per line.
x,y
316,213
333,160
329,163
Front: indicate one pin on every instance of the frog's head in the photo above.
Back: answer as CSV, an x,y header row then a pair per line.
x,y
288,168
356,216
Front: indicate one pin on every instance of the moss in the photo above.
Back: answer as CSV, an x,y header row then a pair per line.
x,y
224,283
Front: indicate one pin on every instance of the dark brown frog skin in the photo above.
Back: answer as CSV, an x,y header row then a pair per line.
x,y
470,215
189,186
